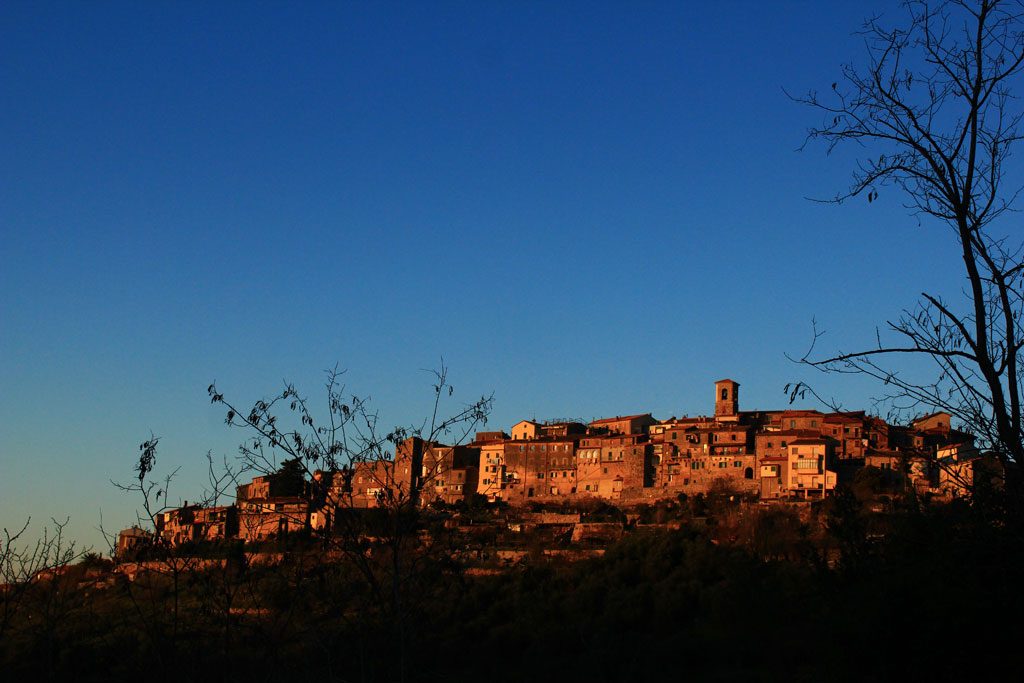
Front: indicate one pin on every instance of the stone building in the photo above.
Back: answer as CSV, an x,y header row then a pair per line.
x,y
808,473
492,479
192,523
131,540
525,429
614,465
271,506
449,474
366,484
630,424
727,400
562,428
260,519
535,468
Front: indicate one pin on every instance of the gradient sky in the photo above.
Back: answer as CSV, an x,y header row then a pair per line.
x,y
589,209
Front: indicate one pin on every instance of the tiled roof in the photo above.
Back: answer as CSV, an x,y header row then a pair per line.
x,y
619,418
928,416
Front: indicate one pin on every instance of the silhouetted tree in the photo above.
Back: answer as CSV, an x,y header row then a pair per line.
x,y
24,559
287,438
934,112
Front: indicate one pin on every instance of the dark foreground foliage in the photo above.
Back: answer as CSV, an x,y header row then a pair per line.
x,y
938,597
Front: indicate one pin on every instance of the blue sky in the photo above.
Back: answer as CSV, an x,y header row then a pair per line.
x,y
589,209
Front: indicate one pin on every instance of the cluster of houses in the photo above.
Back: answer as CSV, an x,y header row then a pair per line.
x,y
774,455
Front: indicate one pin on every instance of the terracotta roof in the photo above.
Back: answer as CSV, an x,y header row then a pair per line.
x,y
957,444
805,442
842,418
727,380
620,418
929,416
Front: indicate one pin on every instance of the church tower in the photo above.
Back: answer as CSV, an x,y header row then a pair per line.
x,y
727,400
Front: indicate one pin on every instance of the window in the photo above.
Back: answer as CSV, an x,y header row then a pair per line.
x,y
792,424
814,423
725,394
732,436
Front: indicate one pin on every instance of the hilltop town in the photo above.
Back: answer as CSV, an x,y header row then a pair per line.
x,y
684,536
765,455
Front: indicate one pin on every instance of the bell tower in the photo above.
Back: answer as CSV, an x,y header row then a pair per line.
x,y
727,400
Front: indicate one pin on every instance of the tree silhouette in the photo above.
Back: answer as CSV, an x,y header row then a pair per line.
x,y
934,112
289,441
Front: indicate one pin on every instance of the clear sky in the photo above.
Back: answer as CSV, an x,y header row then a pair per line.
x,y
589,209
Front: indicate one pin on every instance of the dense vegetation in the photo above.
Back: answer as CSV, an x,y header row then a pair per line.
x,y
748,594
